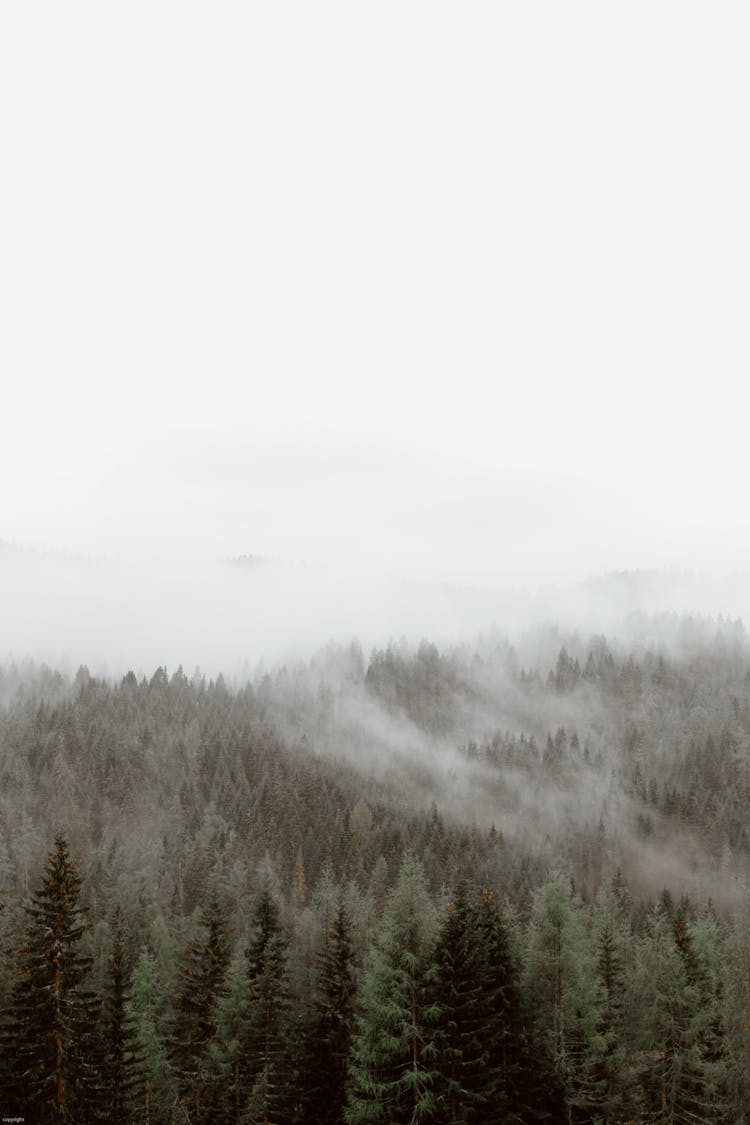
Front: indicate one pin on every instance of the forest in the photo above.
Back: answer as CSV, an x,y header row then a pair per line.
x,y
490,883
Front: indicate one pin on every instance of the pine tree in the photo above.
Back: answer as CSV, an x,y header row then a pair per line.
x,y
704,1090
266,1049
227,1056
56,1062
675,1076
508,1063
114,1027
466,1083
200,979
608,1069
329,1031
719,1072
393,1063
562,991
151,1085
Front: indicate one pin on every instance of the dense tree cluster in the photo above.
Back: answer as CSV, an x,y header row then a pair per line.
x,y
434,1006
427,887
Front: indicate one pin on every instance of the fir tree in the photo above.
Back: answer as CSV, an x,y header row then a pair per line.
x,y
667,979
608,1070
227,1058
508,1062
55,1062
705,1087
265,1047
114,1027
561,991
329,1032
466,1081
151,1085
200,979
394,1053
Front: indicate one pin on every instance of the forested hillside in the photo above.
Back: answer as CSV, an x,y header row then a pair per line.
x,y
476,885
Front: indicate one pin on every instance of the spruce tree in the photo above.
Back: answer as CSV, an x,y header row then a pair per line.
x,y
704,1091
466,1081
676,1081
508,1063
562,994
266,1049
151,1088
608,1070
56,1062
227,1052
114,1029
394,1052
329,1030
201,974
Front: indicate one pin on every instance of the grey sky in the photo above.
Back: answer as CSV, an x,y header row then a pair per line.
x,y
455,290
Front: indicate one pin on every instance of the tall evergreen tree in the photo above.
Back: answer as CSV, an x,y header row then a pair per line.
x,y
609,1072
201,974
114,1037
227,1060
508,1066
562,992
394,1053
329,1031
266,1049
705,1087
151,1084
467,1082
56,1062
682,1030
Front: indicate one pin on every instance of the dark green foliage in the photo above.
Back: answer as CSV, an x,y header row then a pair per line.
x,y
227,1062
55,1057
151,1087
266,1047
201,974
114,1032
509,1062
393,1069
461,1058
329,1029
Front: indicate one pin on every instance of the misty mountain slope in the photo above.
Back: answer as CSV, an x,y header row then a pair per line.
x,y
172,787
610,758
592,797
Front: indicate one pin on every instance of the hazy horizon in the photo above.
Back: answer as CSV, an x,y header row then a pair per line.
x,y
236,616
422,297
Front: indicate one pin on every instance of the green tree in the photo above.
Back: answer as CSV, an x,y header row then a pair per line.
x,y
329,1031
562,993
509,1065
56,1061
114,1073
394,1052
227,1054
201,974
718,1074
467,1082
151,1086
265,1047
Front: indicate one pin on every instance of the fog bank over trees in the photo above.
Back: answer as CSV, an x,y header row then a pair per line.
x,y
229,615
557,826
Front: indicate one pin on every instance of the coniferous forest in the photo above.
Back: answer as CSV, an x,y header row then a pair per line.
x,y
475,885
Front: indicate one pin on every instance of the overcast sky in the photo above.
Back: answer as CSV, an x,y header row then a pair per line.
x,y
454,289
